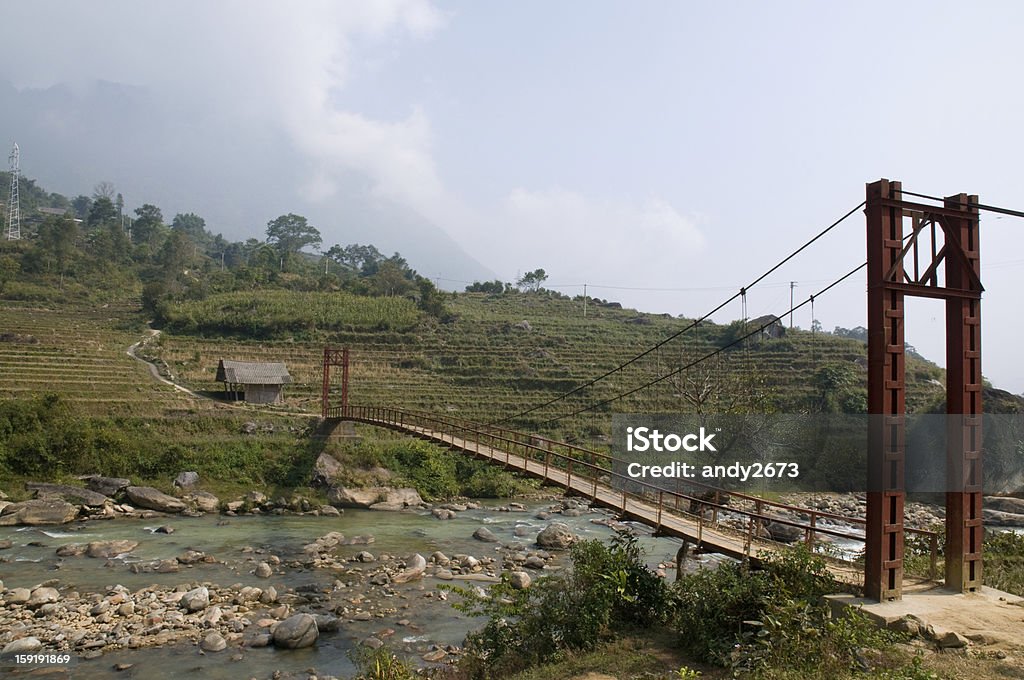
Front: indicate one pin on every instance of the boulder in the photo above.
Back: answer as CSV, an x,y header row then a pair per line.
x,y
325,470
40,511
404,496
18,595
486,535
25,645
42,595
1005,504
110,548
263,570
72,550
213,642
108,486
204,501
71,494
296,632
186,479
995,518
152,499
441,513
519,580
784,533
414,569
196,599
345,497
556,536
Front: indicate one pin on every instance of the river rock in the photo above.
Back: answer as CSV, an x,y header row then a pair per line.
x,y
107,549
519,580
995,518
329,511
414,569
442,513
784,533
148,497
372,642
263,570
345,497
42,595
72,550
534,562
186,479
18,595
40,511
556,536
296,632
404,496
6,543
213,642
325,470
25,645
196,599
486,535
72,494
108,486
206,502
1005,504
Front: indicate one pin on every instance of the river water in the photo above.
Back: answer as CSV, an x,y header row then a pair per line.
x,y
240,542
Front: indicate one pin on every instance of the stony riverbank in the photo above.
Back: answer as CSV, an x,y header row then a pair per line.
x,y
342,582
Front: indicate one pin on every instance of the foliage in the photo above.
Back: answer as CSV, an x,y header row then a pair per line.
x,y
607,587
1004,561
271,313
381,664
714,603
532,281
291,233
495,287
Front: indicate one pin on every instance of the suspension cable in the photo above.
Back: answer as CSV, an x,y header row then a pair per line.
x,y
692,324
710,355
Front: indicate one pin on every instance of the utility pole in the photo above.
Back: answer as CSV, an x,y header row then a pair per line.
x,y
792,285
584,301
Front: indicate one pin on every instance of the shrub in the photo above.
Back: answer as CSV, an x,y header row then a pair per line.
x,y
607,586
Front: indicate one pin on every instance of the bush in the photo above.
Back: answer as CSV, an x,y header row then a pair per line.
x,y
607,587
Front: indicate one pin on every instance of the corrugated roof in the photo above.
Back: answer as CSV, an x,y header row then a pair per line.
x,y
250,373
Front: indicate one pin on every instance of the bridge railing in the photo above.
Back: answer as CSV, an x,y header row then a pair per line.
x,y
591,470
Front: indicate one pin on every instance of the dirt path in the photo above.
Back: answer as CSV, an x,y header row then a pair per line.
x,y
133,352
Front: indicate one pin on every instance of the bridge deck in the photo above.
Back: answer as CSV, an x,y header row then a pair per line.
x,y
711,537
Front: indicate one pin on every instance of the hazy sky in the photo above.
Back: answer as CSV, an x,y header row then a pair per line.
x,y
659,145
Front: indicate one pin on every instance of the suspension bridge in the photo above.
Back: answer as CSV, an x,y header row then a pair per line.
x,y
917,245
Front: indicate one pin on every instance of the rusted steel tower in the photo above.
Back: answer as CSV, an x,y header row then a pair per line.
x,y
922,250
334,357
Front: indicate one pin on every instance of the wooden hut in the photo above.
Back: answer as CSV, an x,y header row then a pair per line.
x,y
256,383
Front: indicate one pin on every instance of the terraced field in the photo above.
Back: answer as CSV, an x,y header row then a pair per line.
x,y
500,356
81,353
505,354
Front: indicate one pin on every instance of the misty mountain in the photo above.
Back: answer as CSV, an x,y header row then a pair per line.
x,y
237,174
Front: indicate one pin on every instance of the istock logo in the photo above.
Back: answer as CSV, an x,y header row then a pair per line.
x,y
641,439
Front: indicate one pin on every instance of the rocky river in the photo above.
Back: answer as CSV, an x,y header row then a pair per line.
x,y
272,595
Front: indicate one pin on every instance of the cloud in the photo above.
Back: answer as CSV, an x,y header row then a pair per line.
x,y
581,239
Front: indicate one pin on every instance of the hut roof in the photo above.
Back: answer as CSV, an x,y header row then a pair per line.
x,y
252,373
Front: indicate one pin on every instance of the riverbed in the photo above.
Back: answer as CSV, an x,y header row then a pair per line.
x,y
412,618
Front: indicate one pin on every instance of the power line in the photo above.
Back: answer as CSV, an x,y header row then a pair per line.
x,y
710,355
693,324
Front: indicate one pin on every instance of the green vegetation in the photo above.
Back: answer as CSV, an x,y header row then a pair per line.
x,y
608,587
768,624
273,313
433,471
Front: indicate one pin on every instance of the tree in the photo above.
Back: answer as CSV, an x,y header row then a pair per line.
x,y
532,281
193,226
81,206
175,255
291,233
362,260
104,190
148,225
57,237
101,212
